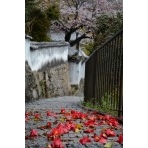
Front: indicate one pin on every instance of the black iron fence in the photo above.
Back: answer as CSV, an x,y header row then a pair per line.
x,y
104,75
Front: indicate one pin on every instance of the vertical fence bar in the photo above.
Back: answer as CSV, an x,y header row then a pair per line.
x,y
116,74
110,72
99,76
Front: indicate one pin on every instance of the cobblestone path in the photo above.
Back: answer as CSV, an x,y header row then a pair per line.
x,y
37,118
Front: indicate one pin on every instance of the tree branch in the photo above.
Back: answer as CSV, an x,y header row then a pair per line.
x,y
77,40
72,30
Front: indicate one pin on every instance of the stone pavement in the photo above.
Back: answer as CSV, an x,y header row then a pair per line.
x,y
70,139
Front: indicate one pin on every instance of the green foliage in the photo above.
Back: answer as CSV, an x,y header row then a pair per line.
x,y
40,27
105,106
88,48
37,20
53,12
29,7
107,26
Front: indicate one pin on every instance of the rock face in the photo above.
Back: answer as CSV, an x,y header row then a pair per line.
x,y
46,83
31,91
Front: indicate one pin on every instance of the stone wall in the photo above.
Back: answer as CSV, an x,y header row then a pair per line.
x,y
48,82
31,90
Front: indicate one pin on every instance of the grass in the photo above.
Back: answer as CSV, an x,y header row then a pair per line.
x,y
103,108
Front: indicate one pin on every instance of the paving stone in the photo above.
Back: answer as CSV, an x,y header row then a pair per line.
x,y
79,135
75,145
71,139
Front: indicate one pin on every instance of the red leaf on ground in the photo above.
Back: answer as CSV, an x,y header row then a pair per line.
x,y
96,138
51,114
110,132
48,125
113,122
53,134
90,123
102,122
107,117
102,140
70,125
99,139
62,128
57,143
103,135
92,117
26,119
72,111
84,140
100,117
37,116
56,132
63,111
28,113
83,116
68,118
33,133
89,131
120,139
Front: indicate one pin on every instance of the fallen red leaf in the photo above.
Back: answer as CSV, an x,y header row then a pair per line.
x,y
90,123
70,125
72,111
33,133
48,125
51,114
110,132
37,116
26,118
60,129
107,117
102,140
120,139
102,122
113,122
84,140
100,117
89,131
63,111
92,117
96,138
83,116
57,143
68,118
28,113
103,135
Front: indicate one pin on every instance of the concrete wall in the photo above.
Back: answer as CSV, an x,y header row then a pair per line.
x,y
27,48
76,72
46,52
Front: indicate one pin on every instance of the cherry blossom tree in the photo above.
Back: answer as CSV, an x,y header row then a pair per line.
x,y
81,15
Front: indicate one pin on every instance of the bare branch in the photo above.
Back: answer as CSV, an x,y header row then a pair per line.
x,y
77,40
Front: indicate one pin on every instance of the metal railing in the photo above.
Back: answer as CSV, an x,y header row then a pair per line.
x,y
104,75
